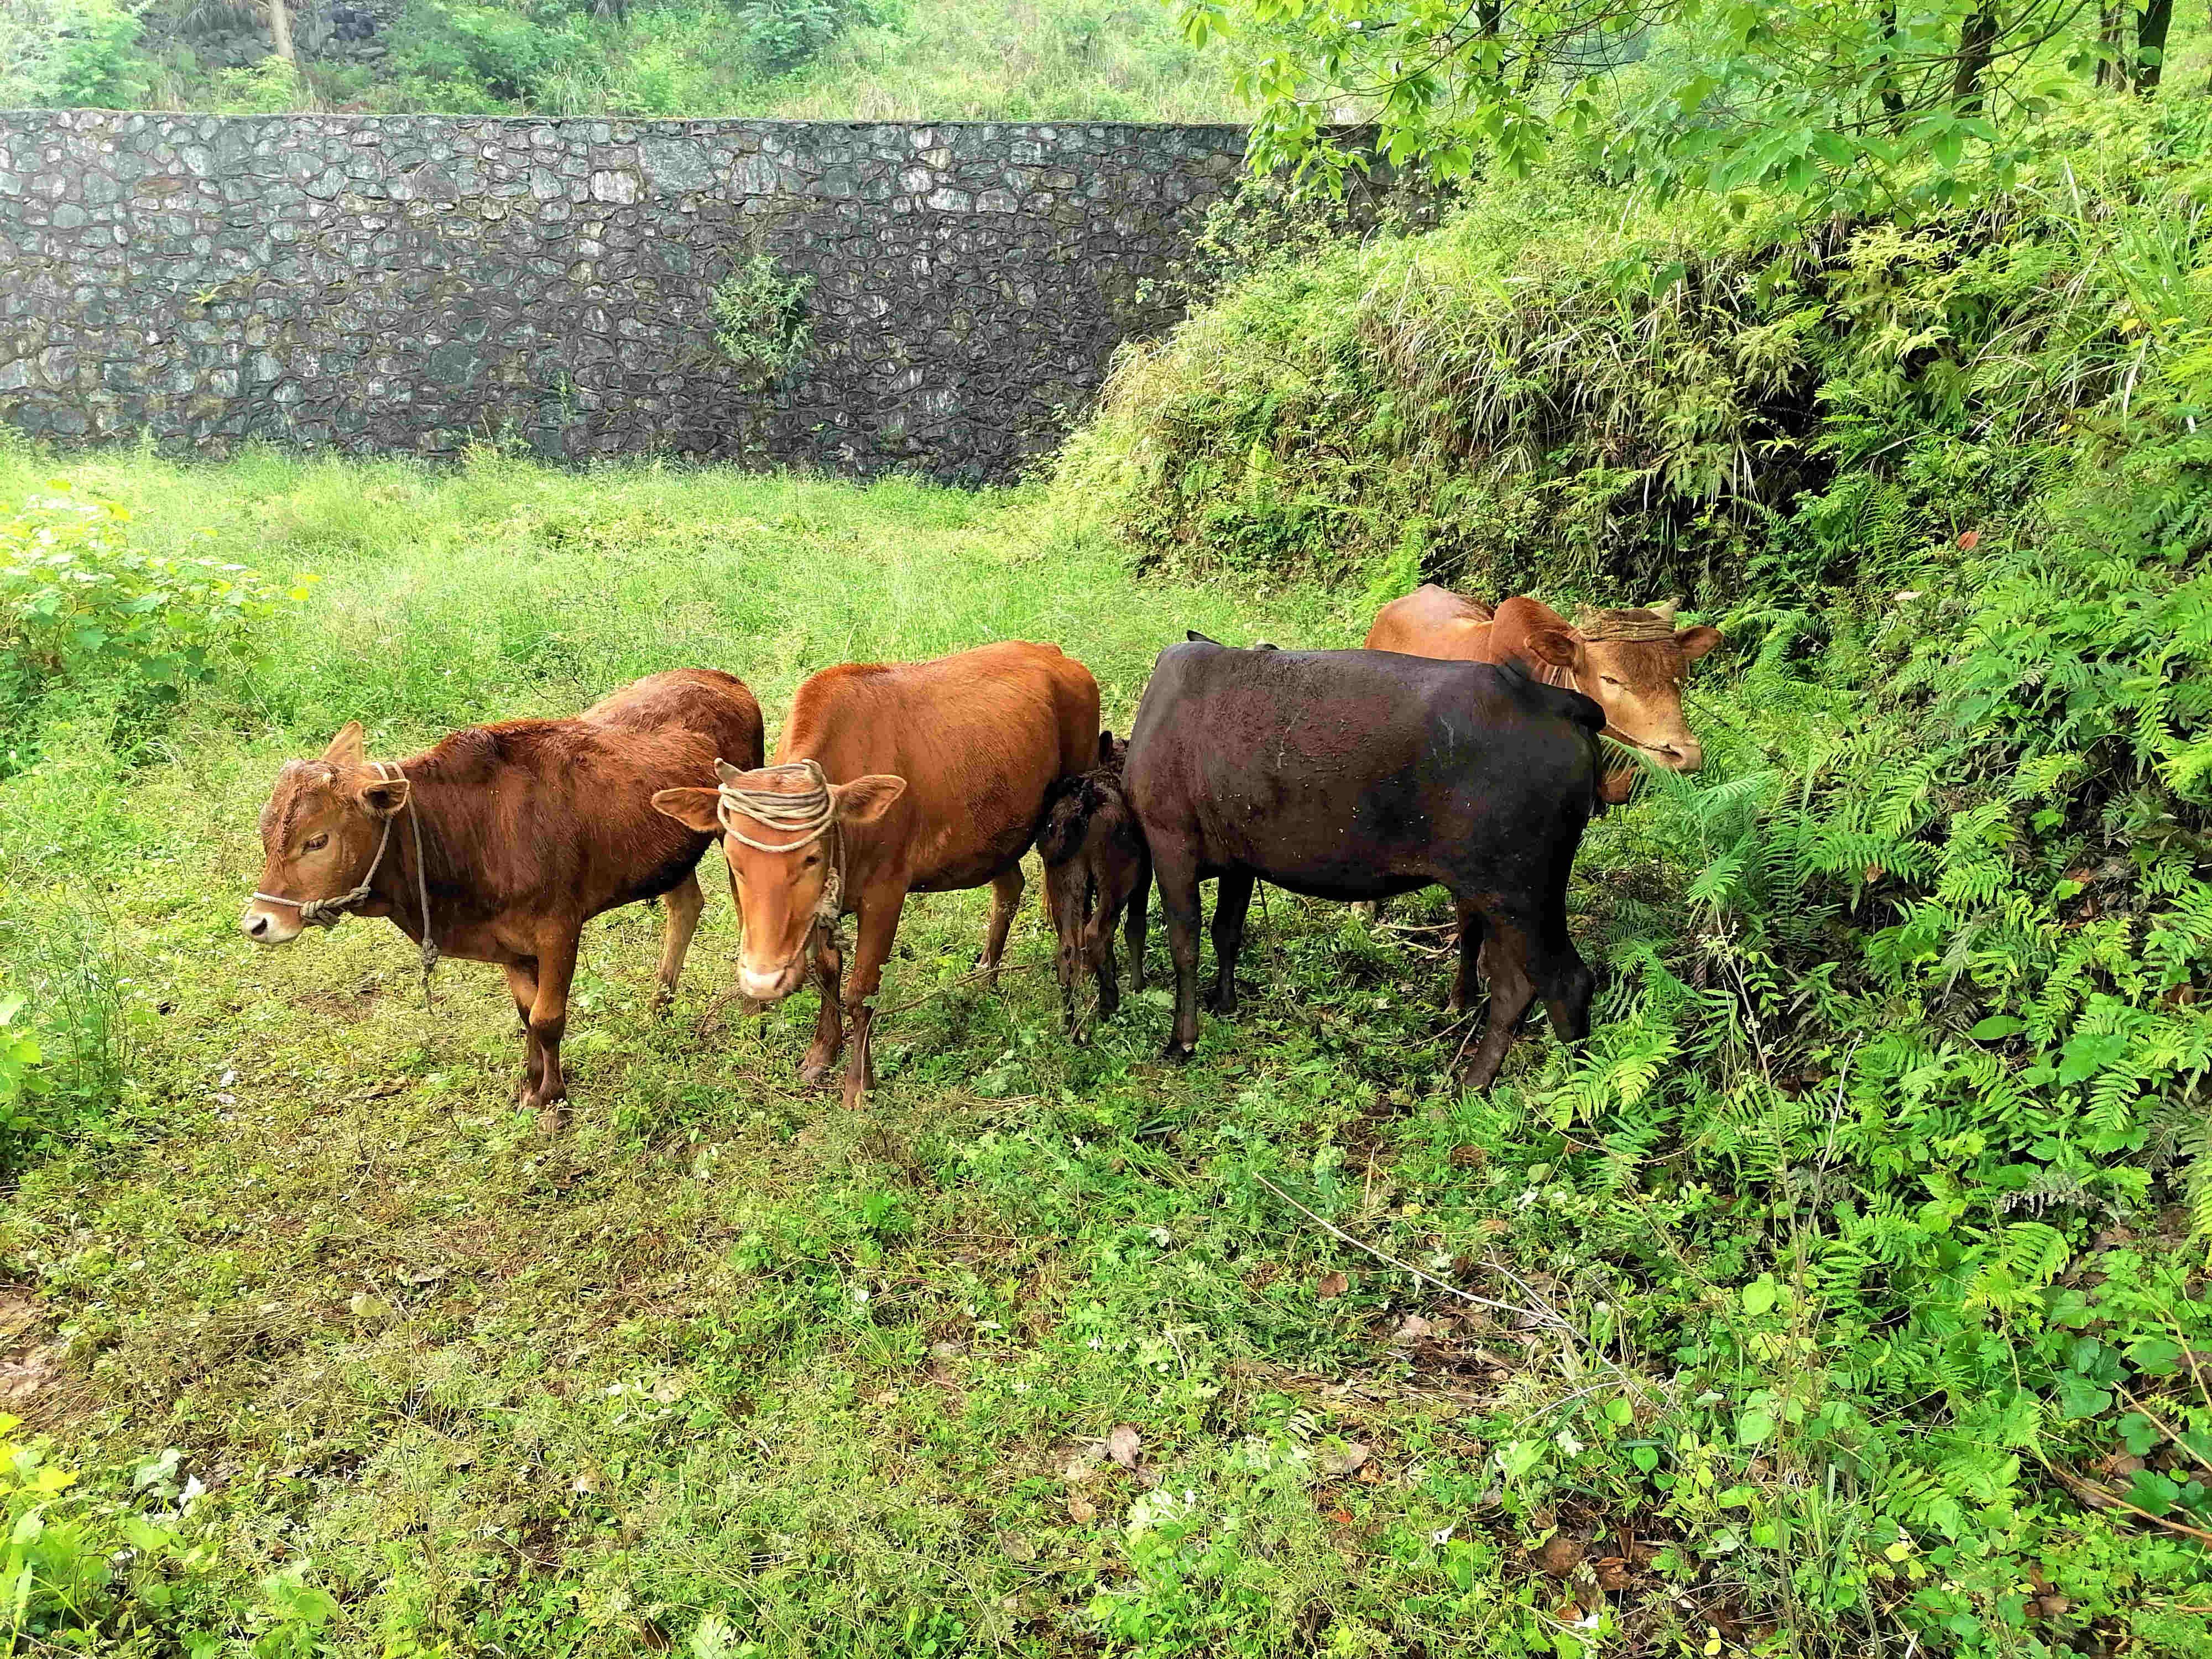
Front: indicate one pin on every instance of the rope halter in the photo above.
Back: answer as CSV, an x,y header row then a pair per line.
x,y
1635,625
809,814
329,912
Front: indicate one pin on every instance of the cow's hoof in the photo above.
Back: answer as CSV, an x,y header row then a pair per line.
x,y
815,1073
552,1117
1177,1054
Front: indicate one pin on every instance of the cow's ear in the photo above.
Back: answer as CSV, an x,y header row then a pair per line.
x,y
695,808
1553,643
865,799
348,748
1694,643
384,796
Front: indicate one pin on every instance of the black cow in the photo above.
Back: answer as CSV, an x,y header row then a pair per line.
x,y
1361,774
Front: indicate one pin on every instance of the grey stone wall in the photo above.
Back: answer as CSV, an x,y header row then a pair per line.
x,y
408,283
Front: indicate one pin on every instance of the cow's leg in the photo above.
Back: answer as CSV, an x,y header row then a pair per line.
x,y
1474,955
1099,951
1005,899
1561,976
1231,899
1138,896
522,986
830,1024
1176,870
685,902
879,918
1510,993
548,1020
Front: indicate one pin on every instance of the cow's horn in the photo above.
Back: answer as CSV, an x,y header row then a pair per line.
x,y
1587,617
726,772
1665,610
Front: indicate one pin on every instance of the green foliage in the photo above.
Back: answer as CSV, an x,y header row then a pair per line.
x,y
1888,1142
1840,105
83,608
69,53
272,87
82,1568
819,59
760,319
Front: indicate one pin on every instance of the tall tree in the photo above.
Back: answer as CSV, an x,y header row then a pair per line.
x,y
1977,41
280,31
2151,25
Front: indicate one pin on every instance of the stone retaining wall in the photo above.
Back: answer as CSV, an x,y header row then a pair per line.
x,y
410,283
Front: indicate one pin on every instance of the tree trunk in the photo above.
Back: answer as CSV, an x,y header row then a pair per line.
x,y
2151,23
2111,54
1892,101
1977,42
280,30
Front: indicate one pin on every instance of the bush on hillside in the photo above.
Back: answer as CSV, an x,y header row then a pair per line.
x,y
1887,1154
1556,386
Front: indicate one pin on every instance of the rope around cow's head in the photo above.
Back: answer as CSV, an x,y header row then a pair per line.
x,y
329,912
809,814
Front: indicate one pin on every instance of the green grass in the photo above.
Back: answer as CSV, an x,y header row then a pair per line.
x,y
1815,1270
725,1349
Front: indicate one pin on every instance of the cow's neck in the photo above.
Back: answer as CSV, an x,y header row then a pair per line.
x,y
396,887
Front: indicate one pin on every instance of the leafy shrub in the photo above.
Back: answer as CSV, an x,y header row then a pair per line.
x,y
781,34
505,56
760,319
71,53
1549,391
80,606
272,87
83,1568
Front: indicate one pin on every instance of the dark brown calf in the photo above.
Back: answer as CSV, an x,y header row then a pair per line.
x,y
527,830
892,778
1095,864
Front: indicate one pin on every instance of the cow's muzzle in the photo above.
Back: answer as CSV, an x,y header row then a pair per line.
x,y
267,925
776,984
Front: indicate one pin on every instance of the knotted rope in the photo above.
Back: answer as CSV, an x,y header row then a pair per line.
x,y
329,912
809,814
1624,627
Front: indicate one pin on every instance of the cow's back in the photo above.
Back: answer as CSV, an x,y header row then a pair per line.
x,y
979,737
716,708
1433,622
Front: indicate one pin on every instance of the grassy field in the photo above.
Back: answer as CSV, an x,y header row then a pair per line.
x,y
1775,1320
726,1366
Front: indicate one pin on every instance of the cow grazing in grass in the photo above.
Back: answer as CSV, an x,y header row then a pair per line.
x,y
1097,867
1360,775
1631,662
891,778
513,836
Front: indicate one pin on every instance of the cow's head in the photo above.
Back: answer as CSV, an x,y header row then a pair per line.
x,y
780,884
319,833
1633,662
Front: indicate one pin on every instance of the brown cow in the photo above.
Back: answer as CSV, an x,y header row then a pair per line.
x,y
892,778
1632,662
1097,865
514,835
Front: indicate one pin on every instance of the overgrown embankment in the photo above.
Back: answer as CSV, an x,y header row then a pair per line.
x,y
1894,1122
